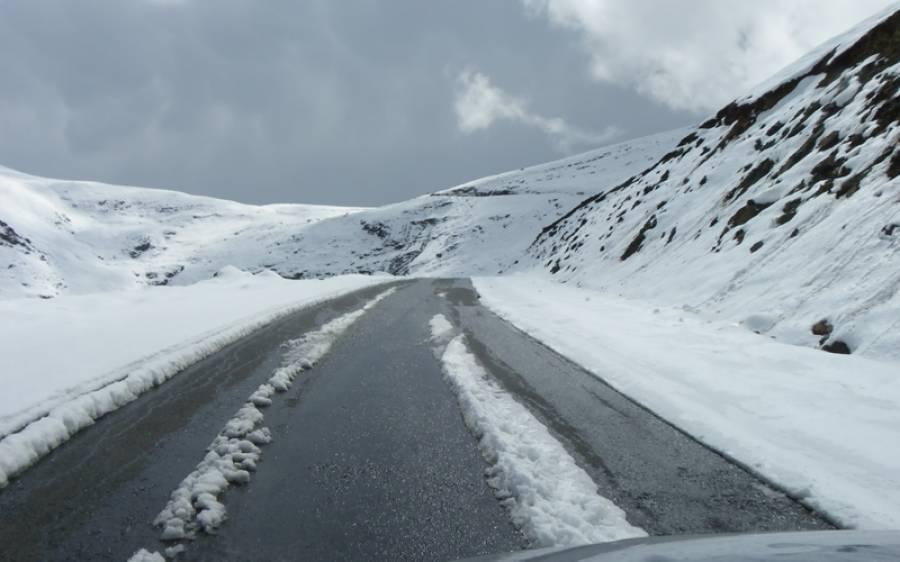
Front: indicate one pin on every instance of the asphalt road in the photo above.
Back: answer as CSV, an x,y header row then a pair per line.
x,y
370,458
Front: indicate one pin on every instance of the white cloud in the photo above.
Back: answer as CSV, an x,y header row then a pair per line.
x,y
479,104
699,55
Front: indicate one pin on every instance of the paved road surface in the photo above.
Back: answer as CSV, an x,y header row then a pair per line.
x,y
371,460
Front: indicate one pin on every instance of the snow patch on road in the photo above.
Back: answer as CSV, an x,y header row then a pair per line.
x,y
234,453
144,556
195,505
549,497
441,330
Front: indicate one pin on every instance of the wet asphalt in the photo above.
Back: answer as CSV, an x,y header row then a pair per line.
x,y
667,483
374,460
370,459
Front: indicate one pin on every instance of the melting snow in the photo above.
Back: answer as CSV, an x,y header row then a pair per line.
x,y
549,497
196,505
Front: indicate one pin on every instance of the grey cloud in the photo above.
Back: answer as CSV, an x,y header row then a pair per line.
x,y
316,101
700,55
479,104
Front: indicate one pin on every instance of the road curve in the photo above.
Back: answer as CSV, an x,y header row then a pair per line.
x,y
370,459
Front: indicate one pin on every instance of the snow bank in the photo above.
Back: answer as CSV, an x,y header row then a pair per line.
x,y
822,427
549,497
66,362
235,452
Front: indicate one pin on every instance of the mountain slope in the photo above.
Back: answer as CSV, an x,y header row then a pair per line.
x,y
782,211
80,237
59,237
476,228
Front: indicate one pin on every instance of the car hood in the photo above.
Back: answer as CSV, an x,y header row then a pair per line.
x,y
819,546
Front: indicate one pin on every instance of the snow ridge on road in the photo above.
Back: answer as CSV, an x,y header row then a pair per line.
x,y
304,352
549,497
234,453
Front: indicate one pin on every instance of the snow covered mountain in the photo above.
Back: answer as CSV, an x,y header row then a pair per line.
x,y
81,237
782,211
477,228
62,237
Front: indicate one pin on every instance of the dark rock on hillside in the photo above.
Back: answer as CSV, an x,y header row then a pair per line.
x,y
822,328
838,347
9,237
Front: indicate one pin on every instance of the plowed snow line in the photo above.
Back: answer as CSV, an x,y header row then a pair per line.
x,y
549,497
195,505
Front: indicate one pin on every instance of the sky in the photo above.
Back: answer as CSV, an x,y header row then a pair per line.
x,y
366,102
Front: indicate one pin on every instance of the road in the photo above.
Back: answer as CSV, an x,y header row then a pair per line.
x,y
370,459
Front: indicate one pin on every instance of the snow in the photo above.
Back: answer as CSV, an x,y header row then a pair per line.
x,y
441,330
824,428
87,237
549,497
68,361
196,505
144,556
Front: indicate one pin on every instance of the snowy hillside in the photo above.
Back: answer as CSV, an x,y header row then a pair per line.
x,y
479,227
59,237
781,212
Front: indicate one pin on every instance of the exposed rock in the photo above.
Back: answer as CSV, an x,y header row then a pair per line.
x,y
9,237
747,212
754,175
140,249
822,328
789,211
829,141
894,167
830,168
838,347
638,242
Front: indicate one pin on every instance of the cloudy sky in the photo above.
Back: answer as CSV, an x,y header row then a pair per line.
x,y
364,102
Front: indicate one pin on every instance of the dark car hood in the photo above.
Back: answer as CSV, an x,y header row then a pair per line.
x,y
820,546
